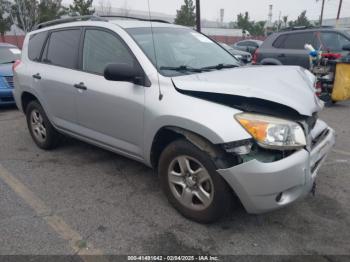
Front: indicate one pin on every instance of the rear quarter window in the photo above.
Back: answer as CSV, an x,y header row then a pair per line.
x,y
35,46
279,42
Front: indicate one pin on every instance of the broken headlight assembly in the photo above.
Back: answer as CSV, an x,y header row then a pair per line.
x,y
273,133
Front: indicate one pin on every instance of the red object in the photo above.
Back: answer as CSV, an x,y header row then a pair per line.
x,y
255,57
331,56
15,64
318,87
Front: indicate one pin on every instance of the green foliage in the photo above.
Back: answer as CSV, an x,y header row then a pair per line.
x,y
5,20
83,7
50,10
302,20
254,28
27,13
186,15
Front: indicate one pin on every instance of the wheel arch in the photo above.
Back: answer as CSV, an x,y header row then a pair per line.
x,y
26,98
270,61
168,134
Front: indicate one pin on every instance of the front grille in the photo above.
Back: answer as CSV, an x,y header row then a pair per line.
x,y
9,81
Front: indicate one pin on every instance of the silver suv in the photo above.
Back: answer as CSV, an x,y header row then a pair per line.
x,y
176,101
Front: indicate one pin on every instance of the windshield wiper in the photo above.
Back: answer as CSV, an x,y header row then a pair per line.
x,y
9,62
219,67
182,68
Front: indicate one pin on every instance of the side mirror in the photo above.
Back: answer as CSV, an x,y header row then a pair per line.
x,y
125,73
346,47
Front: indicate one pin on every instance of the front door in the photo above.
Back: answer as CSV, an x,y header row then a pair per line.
x,y
109,112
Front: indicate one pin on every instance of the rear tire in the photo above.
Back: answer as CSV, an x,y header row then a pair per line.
x,y
43,133
191,183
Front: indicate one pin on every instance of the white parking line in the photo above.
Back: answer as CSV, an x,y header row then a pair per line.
x,y
55,222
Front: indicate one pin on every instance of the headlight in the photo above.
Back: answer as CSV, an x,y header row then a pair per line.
x,y
239,57
272,132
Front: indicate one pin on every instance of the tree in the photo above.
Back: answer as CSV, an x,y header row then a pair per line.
x,y
5,20
28,13
258,28
25,14
50,10
285,20
83,7
302,20
243,22
254,28
186,15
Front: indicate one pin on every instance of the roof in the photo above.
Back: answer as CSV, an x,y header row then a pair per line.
x,y
123,23
309,29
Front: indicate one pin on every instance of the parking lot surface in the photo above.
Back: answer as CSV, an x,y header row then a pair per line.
x,y
81,199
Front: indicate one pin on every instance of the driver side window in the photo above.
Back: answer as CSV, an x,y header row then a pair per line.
x,y
102,48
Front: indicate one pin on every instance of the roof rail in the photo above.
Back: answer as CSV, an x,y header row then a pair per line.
x,y
135,18
295,28
70,19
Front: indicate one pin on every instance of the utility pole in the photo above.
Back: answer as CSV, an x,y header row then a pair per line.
x,y
321,17
198,15
339,9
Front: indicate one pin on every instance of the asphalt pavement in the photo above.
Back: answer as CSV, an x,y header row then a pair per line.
x,y
79,199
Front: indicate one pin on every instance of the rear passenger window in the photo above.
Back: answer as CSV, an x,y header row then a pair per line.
x,y
62,48
298,40
102,48
279,42
35,45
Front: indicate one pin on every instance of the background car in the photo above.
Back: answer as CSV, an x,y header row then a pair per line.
x,y
287,48
248,45
242,56
8,55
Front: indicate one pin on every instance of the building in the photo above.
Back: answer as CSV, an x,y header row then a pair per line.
x,y
343,22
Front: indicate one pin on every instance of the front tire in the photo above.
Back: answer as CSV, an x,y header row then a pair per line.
x,y
43,133
190,181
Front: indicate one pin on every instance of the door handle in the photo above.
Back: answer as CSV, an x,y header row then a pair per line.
x,y
80,86
37,76
281,55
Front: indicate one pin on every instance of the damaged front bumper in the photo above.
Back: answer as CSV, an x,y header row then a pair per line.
x,y
262,187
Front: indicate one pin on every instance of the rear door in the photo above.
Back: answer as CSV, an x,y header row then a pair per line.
x,y
290,48
109,112
57,76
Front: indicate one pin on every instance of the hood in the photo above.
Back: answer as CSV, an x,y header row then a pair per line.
x,y
289,86
6,69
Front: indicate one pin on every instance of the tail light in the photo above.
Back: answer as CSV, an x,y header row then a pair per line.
x,y
318,87
16,64
255,57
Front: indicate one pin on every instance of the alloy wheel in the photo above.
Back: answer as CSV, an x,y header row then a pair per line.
x,y
190,183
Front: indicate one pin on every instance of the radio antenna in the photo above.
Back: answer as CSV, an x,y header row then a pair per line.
x,y
154,50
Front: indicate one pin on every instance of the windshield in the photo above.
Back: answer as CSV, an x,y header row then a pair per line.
x,y
181,51
9,54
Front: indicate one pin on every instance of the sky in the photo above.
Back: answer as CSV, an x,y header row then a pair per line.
x,y
258,9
